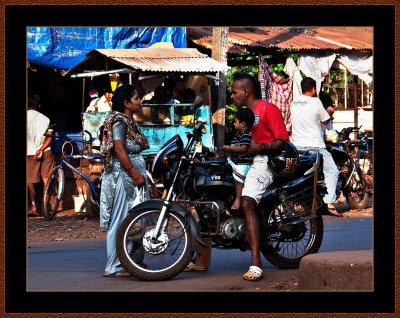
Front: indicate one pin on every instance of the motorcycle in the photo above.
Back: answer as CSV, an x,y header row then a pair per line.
x,y
347,154
362,151
158,238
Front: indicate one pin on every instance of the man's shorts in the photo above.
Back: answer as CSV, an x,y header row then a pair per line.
x,y
239,171
38,169
258,179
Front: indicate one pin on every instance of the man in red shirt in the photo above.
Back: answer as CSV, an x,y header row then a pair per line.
x,y
268,132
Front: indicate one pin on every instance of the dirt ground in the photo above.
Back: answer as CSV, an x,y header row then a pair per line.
x,y
69,225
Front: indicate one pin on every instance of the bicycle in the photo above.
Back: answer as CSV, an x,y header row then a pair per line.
x,y
55,185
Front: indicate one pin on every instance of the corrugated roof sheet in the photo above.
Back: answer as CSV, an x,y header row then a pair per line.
x,y
297,38
155,60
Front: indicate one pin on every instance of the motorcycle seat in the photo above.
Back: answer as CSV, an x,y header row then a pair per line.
x,y
219,160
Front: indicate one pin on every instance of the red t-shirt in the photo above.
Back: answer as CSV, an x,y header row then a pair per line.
x,y
268,123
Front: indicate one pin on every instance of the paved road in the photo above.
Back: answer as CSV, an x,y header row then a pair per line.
x,y
78,265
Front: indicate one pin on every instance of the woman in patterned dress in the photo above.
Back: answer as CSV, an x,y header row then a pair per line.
x,y
124,182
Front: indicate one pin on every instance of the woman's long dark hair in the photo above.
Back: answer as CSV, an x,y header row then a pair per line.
x,y
123,93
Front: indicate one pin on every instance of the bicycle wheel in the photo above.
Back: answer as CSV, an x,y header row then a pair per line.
x,y
53,193
92,207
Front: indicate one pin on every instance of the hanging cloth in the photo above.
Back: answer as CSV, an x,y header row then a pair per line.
x,y
316,66
293,71
358,63
276,90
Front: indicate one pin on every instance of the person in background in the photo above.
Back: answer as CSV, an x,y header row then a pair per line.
x,y
160,113
124,183
268,134
329,134
327,103
243,121
40,159
102,104
307,114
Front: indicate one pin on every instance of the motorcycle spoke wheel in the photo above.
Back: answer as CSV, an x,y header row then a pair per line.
x,y
291,238
159,260
358,199
52,195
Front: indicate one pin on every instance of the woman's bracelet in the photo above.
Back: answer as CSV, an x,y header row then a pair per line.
x,y
129,167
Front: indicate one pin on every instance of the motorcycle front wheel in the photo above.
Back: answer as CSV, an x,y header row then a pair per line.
x,y
159,259
357,199
286,240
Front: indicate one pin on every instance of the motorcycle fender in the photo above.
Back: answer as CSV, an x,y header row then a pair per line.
x,y
157,204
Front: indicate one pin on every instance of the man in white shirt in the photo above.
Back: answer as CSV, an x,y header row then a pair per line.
x,y
307,114
40,159
102,104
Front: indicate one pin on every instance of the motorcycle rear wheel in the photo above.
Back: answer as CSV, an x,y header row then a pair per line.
x,y
154,261
284,245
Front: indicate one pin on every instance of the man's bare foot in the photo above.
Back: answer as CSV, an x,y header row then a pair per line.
x,y
235,205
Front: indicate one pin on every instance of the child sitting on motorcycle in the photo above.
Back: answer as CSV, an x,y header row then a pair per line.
x,y
244,120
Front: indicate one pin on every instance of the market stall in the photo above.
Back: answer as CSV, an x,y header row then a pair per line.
x,y
150,68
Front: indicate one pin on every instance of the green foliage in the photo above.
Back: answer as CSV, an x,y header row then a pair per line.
x,y
249,69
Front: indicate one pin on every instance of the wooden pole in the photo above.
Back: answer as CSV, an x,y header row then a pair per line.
x,y
83,95
355,88
219,53
362,93
345,88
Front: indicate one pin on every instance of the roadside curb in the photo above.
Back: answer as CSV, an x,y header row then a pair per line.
x,y
339,270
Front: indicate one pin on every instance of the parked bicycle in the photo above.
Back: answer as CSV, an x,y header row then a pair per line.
x,y
54,188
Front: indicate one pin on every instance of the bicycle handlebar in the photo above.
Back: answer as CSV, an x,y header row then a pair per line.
x,y
87,142
82,157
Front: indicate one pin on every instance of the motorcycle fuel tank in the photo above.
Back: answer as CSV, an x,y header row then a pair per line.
x,y
213,180
214,185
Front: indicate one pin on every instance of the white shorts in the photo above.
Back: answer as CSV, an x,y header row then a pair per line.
x,y
258,179
239,171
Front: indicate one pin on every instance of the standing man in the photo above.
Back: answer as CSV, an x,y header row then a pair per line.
x,y
102,104
40,160
307,114
268,133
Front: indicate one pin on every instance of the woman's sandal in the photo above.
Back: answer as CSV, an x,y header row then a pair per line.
x,y
253,274
118,274
193,267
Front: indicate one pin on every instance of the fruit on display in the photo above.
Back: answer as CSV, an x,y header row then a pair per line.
x,y
187,120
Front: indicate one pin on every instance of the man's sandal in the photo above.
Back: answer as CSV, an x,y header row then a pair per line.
x,y
121,273
253,274
193,267
332,210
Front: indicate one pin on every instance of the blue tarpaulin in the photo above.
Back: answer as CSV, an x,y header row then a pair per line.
x,y
63,48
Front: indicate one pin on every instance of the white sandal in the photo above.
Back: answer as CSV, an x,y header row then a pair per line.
x,y
253,274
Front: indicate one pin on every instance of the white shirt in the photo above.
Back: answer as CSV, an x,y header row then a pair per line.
x,y
306,114
37,125
102,104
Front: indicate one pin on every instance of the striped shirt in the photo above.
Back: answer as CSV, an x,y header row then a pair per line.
x,y
241,138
